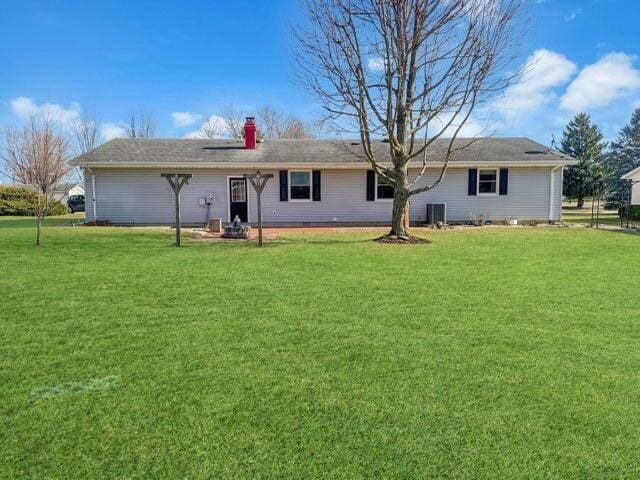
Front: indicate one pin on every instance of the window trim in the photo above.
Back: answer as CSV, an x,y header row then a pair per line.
x,y
375,191
488,194
291,199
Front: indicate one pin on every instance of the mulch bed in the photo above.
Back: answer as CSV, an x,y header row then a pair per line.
x,y
410,240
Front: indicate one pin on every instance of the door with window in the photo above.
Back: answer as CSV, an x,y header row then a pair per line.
x,y
238,199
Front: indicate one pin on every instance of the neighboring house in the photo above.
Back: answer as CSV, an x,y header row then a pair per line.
x,y
634,176
315,182
64,191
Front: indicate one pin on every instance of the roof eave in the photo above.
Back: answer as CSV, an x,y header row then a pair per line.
x,y
308,165
631,174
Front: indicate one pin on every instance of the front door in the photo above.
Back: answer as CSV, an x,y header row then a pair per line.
x,y
238,199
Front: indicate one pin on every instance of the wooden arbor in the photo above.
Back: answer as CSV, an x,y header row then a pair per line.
x,y
177,181
258,181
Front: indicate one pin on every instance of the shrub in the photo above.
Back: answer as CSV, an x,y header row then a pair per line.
x,y
21,201
634,212
478,219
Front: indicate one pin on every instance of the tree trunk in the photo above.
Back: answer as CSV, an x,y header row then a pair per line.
x,y
39,217
580,202
400,213
38,229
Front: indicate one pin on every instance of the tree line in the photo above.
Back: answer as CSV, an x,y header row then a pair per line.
x,y
601,164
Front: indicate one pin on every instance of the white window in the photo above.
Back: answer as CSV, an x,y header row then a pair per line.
x,y
487,182
238,191
384,189
299,185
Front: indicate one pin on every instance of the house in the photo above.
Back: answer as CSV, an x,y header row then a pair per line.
x,y
63,191
315,182
634,176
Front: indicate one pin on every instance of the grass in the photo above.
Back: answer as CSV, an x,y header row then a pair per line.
x,y
582,216
491,353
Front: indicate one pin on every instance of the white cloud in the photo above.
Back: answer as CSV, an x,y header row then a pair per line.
x,y
214,127
24,107
573,15
474,126
184,119
109,131
376,64
543,71
599,84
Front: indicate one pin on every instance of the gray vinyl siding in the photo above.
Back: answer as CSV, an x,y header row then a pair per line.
x,y
143,197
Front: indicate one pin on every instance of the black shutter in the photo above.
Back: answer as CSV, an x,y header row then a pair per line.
x,y
504,181
473,181
371,186
316,185
284,185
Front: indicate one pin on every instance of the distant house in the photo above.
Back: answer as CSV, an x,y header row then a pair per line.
x,y
63,191
634,175
316,182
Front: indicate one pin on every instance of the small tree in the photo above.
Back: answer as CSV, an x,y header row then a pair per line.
x,y
623,157
36,155
409,71
582,139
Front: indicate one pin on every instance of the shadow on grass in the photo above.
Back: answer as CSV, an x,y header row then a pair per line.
x,y
627,231
279,242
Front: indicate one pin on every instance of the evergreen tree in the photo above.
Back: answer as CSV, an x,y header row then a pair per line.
x,y
582,140
623,157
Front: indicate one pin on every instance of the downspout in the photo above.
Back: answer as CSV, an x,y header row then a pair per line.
x,y
93,193
551,187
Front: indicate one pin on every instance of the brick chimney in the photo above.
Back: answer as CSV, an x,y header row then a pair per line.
x,y
250,133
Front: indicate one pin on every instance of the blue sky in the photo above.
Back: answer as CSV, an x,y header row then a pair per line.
x,y
164,57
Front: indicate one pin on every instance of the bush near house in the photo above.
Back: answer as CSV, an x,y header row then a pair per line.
x,y
21,201
634,212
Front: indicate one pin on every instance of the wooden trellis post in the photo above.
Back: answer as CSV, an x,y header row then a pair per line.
x,y
258,181
177,181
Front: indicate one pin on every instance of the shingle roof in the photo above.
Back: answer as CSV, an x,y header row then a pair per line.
x,y
198,152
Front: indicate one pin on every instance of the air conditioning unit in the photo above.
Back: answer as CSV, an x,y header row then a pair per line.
x,y
436,212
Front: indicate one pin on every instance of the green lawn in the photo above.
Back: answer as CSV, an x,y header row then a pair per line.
x,y
574,216
488,354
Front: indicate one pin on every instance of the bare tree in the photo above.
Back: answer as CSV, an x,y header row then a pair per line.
x,y
274,123
409,71
269,121
86,133
36,155
214,127
233,117
86,137
140,125
294,127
